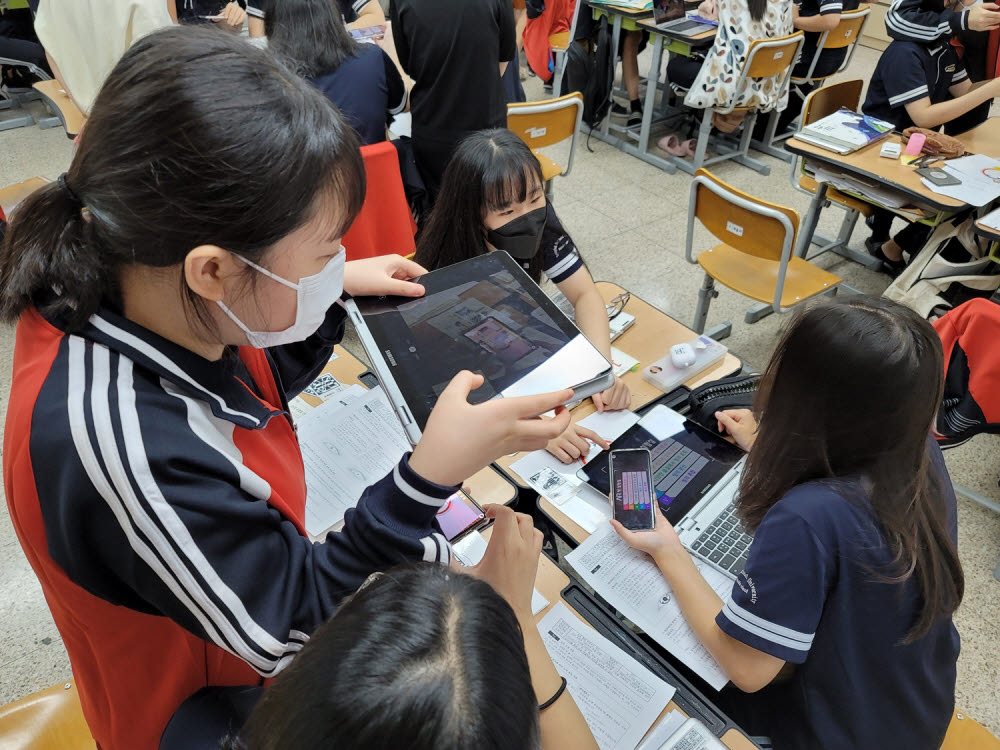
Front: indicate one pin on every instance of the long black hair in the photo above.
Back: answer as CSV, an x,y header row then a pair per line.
x,y
489,170
853,389
310,35
757,8
195,138
422,658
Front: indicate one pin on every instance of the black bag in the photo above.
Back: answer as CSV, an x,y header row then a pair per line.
x,y
592,74
736,392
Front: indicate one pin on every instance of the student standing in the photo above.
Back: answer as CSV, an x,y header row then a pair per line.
x,y
456,52
853,573
493,198
172,291
361,79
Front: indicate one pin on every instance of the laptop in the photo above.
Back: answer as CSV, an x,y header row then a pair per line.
x,y
670,15
486,315
696,474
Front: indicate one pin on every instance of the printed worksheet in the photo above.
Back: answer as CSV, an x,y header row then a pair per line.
x,y
631,583
346,448
620,698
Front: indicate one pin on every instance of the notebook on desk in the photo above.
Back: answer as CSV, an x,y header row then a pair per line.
x,y
844,131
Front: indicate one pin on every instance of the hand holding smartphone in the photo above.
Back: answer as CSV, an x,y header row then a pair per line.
x,y
632,492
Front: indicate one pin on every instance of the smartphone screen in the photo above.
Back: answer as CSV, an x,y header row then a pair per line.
x,y
632,488
457,515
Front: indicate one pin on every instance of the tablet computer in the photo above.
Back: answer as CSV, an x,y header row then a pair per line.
x,y
687,460
485,315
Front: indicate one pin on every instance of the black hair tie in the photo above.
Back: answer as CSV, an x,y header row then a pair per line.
x,y
554,698
68,191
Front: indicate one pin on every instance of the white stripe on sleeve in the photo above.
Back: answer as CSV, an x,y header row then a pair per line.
x,y
769,631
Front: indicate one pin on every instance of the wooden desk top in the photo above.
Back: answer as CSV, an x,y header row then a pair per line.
x,y
72,118
703,39
12,195
988,232
620,10
550,582
485,487
866,164
649,339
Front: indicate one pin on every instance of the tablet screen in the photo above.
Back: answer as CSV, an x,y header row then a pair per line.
x,y
485,315
686,460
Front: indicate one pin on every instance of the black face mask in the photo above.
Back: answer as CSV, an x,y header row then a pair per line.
x,y
521,237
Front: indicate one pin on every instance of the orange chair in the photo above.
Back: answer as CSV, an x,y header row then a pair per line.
x,y
967,734
47,720
547,123
385,225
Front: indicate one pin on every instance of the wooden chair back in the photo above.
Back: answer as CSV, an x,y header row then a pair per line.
x,y
12,195
736,218
849,30
51,719
546,123
769,57
827,100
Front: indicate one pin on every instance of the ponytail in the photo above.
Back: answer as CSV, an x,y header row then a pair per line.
x,y
47,260
757,8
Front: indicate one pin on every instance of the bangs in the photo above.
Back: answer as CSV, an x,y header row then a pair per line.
x,y
512,179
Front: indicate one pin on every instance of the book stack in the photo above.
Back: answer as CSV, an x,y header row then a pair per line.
x,y
845,131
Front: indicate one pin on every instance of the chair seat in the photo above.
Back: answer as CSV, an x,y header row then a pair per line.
x,y
835,196
549,168
757,277
48,720
559,41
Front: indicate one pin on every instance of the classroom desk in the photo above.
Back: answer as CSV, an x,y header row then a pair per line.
x,y
486,486
13,4
993,235
676,44
551,581
867,165
66,110
649,339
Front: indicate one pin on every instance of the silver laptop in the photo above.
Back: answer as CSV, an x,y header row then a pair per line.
x,y
697,477
670,15
485,315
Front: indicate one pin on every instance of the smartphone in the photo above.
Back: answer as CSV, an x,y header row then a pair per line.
x,y
459,514
632,489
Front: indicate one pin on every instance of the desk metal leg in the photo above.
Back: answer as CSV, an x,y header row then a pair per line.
x,y
802,242
616,34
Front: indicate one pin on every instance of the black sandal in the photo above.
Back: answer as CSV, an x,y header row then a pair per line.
x,y
889,266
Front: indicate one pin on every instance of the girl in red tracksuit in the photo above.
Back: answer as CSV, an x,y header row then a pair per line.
x,y
171,292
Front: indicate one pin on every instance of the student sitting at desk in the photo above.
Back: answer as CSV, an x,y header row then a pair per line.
x,y
709,81
853,573
420,658
923,85
361,79
492,198
172,291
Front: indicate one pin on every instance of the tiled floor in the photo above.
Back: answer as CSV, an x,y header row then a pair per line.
x,y
629,220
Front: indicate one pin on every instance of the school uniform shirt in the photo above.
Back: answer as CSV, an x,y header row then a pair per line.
x,y
193,11
908,72
160,498
560,258
810,594
909,21
368,91
830,59
349,9
86,38
452,49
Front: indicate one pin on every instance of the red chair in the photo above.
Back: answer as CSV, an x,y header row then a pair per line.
x,y
385,225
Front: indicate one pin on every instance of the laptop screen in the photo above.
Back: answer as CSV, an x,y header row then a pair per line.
x,y
686,459
485,315
667,10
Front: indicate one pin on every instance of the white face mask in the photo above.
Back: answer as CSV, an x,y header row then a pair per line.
x,y
316,294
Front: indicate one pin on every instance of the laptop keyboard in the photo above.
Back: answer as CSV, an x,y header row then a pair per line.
x,y
724,542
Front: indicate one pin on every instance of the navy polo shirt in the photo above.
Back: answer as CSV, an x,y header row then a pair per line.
x,y
830,59
809,595
908,72
560,258
368,91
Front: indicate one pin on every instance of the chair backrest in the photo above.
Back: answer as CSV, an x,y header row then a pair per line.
x,y
385,225
548,122
827,100
848,31
967,734
12,195
769,57
51,719
746,223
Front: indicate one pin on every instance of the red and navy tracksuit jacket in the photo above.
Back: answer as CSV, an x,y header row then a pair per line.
x,y
160,499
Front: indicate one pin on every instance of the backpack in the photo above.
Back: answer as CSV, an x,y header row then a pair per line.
x,y
592,74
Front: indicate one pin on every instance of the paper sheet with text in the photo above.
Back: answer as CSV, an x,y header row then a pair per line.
x,y
631,583
345,449
619,698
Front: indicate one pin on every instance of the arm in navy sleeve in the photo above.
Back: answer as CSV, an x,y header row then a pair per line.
x,y
906,20
397,95
300,363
